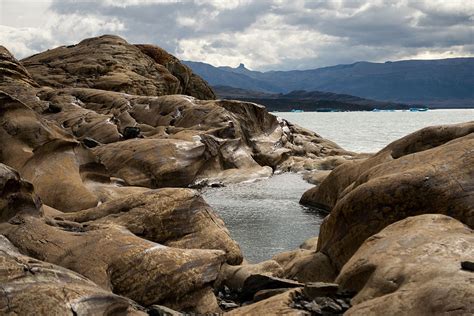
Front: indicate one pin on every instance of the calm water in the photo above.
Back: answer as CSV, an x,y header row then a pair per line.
x,y
371,131
265,217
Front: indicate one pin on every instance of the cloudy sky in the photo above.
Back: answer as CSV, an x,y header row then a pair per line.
x,y
262,34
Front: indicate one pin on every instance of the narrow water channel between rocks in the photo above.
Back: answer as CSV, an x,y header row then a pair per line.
x,y
265,216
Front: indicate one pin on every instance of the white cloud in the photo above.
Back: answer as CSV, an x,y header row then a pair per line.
x,y
260,48
267,34
22,42
58,30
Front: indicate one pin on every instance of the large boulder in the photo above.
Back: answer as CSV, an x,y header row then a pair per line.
x,y
110,63
430,171
234,276
33,287
413,267
116,260
306,265
177,218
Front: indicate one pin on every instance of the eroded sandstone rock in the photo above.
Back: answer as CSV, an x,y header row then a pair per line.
x,y
412,267
234,276
177,218
275,305
31,287
17,196
306,265
430,171
107,62
191,84
116,260
93,128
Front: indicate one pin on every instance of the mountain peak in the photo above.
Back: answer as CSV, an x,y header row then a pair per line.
x,y
241,66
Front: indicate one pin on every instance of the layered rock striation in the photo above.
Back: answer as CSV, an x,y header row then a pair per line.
x,y
110,63
99,144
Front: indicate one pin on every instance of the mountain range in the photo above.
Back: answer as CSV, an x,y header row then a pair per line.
x,y
441,83
306,100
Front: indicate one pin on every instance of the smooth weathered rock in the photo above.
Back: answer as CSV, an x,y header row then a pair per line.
x,y
306,266
275,305
412,267
316,177
234,276
177,218
199,302
107,62
17,196
258,282
159,310
47,156
117,260
198,142
23,131
11,71
32,287
190,83
429,171
110,63
310,243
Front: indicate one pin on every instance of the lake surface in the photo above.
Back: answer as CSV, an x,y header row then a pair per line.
x,y
265,218
371,131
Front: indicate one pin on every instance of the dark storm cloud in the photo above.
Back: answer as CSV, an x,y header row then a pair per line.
x,y
388,24
162,22
270,34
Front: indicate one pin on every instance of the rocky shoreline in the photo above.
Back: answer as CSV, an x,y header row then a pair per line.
x,y
101,145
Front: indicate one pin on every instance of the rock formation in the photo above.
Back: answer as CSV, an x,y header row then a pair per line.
x,y
110,63
99,143
399,232
33,287
429,171
191,84
413,267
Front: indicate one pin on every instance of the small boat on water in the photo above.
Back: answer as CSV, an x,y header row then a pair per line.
x,y
424,109
296,111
